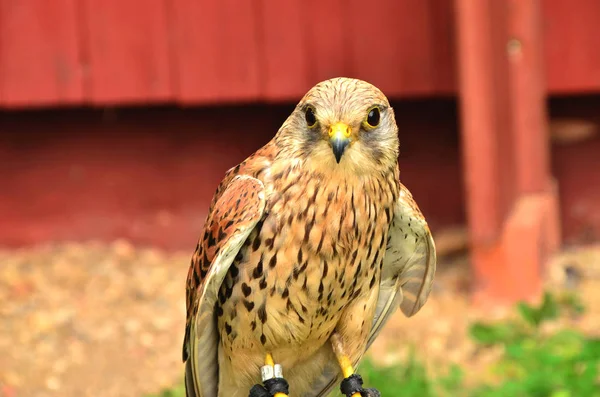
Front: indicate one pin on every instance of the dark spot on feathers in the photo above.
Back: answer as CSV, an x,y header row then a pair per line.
x,y
263,339
258,270
273,261
246,289
253,325
286,293
256,243
263,283
228,328
312,200
307,228
354,255
234,271
388,214
211,240
372,283
196,278
370,250
375,260
262,313
320,243
249,305
290,307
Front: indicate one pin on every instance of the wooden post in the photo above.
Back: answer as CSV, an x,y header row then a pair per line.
x,y
511,201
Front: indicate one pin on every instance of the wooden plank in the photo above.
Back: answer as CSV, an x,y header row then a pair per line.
x,y
328,48
285,49
404,46
215,50
572,52
39,53
127,50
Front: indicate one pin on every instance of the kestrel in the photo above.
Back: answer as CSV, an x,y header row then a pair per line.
x,y
310,245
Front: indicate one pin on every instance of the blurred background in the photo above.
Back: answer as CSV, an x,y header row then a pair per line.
x,y
119,118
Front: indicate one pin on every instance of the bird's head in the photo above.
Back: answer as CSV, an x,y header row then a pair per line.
x,y
342,124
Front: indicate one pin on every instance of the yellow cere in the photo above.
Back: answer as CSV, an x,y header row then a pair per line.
x,y
340,130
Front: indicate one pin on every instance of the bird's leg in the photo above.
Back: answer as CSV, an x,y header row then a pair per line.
x,y
274,383
352,384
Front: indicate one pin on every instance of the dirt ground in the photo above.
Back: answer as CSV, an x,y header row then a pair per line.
x,y
107,320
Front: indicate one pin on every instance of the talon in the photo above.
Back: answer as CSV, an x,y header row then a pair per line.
x,y
371,392
259,391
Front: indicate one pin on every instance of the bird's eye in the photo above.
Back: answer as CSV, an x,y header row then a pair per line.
x,y
309,115
373,117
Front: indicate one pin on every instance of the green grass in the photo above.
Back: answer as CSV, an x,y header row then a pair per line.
x,y
565,363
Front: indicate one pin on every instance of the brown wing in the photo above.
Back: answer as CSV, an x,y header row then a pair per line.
x,y
235,211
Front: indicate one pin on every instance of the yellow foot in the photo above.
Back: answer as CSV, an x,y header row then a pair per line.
x,y
352,384
350,378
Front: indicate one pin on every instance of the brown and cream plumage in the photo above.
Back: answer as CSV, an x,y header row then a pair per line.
x,y
309,246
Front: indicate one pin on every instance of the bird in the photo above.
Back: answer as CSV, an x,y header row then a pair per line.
x,y
310,245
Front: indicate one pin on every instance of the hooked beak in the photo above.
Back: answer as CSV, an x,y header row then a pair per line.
x,y
339,137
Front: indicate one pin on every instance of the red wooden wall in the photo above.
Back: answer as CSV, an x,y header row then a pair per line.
x,y
199,51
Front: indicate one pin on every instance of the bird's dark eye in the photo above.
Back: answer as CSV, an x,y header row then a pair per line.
x,y
373,117
309,115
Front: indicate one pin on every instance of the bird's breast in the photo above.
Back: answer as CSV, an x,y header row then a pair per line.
x,y
319,246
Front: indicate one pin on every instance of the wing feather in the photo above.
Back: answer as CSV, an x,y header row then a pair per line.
x,y
237,208
408,266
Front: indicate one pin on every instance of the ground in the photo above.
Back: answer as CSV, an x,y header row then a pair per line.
x,y
107,319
